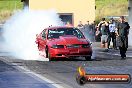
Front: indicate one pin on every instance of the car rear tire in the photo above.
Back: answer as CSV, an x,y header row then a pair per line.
x,y
88,58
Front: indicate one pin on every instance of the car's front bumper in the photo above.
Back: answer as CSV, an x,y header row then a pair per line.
x,y
70,52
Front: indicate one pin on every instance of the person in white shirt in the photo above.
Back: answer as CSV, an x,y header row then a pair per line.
x,y
112,35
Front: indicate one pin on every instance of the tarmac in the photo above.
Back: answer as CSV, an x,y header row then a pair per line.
x,y
12,77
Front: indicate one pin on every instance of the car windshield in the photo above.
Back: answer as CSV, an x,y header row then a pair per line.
x,y
56,33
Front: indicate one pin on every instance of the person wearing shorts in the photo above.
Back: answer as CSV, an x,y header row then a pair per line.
x,y
104,39
105,32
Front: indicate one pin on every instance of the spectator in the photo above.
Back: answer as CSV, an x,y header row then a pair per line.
x,y
92,31
97,34
80,26
87,30
123,31
103,25
112,35
86,26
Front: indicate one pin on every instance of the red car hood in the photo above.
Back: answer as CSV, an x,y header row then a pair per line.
x,y
64,40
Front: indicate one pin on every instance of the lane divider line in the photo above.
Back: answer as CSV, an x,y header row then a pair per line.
x,y
54,84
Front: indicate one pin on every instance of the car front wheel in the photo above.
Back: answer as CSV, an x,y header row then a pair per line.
x,y
48,55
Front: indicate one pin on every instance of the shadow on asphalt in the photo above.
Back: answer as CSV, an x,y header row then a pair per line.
x,y
74,59
95,59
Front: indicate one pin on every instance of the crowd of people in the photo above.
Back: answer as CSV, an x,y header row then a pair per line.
x,y
115,30
88,30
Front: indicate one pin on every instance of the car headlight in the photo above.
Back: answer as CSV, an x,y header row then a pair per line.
x,y
86,45
57,46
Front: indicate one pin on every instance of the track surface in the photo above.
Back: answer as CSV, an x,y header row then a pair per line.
x,y
63,72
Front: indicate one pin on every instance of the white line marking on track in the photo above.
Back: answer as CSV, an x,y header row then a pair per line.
x,y
54,84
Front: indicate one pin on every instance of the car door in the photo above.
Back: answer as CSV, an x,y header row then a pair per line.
x,y
42,41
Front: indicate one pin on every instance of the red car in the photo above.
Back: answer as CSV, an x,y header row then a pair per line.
x,y
63,42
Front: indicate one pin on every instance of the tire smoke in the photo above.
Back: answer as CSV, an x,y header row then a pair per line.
x,y
21,29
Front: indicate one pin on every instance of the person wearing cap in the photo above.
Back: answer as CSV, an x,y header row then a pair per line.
x,y
112,35
123,31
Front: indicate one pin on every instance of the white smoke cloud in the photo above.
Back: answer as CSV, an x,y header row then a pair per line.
x,y
21,29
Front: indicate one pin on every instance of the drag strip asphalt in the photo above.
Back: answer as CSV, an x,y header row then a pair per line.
x,y
61,73
21,77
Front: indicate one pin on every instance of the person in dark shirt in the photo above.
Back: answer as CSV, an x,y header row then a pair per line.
x,y
123,31
103,26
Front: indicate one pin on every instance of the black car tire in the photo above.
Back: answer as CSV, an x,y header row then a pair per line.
x,y
88,58
50,59
48,55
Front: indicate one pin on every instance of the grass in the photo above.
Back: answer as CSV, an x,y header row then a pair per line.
x,y
111,8
8,7
103,8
